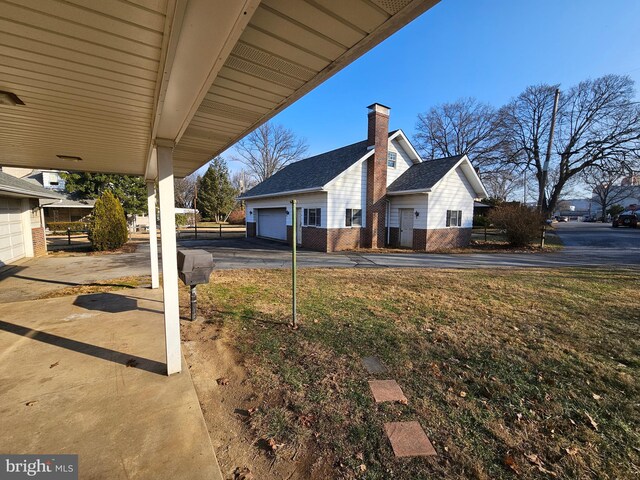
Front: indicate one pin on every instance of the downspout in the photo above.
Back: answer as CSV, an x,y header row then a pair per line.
x,y
388,221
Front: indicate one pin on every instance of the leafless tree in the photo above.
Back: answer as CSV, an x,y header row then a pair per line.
x,y
268,149
501,184
242,181
184,189
607,188
465,126
598,126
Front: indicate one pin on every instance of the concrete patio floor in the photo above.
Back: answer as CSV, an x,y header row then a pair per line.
x,y
85,375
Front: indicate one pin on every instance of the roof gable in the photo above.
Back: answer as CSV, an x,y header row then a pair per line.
x,y
427,175
312,173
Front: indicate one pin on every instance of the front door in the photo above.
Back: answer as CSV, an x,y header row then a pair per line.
x,y
299,226
406,227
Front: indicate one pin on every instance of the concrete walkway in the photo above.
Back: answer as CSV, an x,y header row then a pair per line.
x,y
85,375
33,278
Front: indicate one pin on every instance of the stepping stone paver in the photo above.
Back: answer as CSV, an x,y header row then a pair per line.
x,y
387,391
408,439
373,365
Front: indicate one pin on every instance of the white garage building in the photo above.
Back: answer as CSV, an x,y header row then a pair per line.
x,y
21,220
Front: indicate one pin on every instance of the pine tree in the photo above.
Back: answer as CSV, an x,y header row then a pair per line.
x,y
216,195
108,227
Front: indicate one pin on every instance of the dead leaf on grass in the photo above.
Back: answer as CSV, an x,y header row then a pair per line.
x,y
273,445
593,422
31,403
596,396
306,420
463,394
363,467
252,410
360,456
571,450
403,401
223,381
54,364
510,462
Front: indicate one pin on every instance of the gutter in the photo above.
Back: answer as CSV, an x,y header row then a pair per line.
x,y
407,192
282,194
29,193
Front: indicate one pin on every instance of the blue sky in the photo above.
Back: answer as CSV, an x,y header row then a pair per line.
x,y
488,49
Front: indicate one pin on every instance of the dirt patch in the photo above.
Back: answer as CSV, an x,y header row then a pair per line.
x,y
231,404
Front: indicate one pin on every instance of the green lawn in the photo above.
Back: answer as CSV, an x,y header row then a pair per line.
x,y
526,373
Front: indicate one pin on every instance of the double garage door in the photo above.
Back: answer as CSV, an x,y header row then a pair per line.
x,y
272,223
11,236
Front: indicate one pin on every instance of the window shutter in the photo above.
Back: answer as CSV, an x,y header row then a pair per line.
x,y
318,222
306,217
448,218
347,218
459,218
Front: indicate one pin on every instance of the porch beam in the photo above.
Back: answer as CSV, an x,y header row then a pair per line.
x,y
153,233
169,256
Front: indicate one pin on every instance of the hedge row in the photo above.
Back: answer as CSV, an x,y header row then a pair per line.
x,y
61,227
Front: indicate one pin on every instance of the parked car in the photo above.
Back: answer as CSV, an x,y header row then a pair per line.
x,y
626,219
562,218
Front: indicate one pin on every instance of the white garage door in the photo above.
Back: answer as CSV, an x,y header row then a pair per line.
x,y
11,237
272,223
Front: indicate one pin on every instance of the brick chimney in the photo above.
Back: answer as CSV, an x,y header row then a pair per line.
x,y
378,140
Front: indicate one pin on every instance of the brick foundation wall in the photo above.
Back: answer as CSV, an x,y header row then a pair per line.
x,y
343,239
39,242
251,229
314,238
443,238
394,237
420,239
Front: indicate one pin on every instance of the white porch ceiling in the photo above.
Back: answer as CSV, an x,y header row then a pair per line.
x,y
93,74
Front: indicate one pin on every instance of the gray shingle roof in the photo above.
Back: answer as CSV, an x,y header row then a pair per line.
x,y
425,175
11,184
312,172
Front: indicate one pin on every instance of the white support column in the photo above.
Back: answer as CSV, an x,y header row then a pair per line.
x,y
153,232
169,256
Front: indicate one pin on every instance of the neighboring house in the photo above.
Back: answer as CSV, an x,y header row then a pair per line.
x,y
21,221
68,208
367,195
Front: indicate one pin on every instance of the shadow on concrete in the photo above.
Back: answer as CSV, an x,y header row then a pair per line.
x,y
110,303
72,284
132,361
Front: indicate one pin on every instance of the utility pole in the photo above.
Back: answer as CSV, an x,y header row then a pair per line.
x,y
545,168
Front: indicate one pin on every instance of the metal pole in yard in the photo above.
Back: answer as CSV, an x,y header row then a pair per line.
x,y
69,235
294,242
220,227
194,302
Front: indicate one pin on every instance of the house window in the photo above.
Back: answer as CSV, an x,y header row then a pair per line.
x,y
454,218
391,159
312,217
353,217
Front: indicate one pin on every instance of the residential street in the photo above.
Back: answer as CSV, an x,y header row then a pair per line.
x,y
598,235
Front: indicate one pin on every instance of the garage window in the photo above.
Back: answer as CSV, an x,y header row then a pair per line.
x,y
454,218
312,217
353,217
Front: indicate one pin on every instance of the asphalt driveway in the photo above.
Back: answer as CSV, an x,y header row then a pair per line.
x,y
598,235
255,253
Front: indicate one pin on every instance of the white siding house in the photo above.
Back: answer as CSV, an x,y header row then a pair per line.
x,y
369,194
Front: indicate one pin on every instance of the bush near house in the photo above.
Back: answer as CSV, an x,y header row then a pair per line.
x,y
108,227
521,224
61,227
237,217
